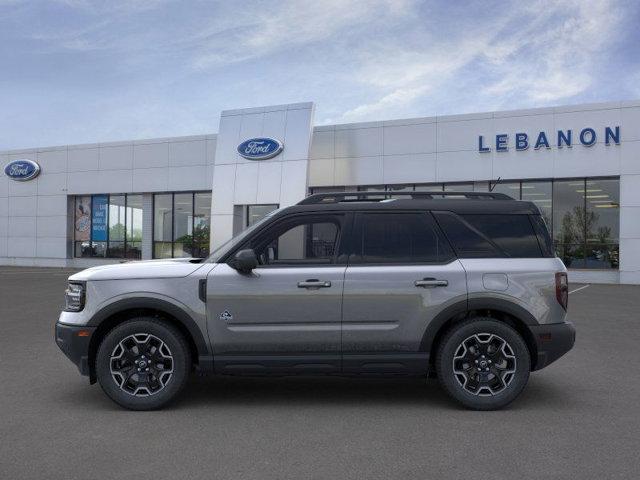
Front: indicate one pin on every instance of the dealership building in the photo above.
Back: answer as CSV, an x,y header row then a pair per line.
x,y
83,205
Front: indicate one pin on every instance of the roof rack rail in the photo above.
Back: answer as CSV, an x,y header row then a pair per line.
x,y
338,197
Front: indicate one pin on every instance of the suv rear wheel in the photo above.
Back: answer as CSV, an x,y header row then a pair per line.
x,y
483,364
143,363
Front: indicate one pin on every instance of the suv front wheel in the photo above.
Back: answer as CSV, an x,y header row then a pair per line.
x,y
483,363
143,363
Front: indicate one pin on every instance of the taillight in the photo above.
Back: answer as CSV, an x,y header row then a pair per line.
x,y
562,289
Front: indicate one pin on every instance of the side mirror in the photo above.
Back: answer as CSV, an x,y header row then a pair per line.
x,y
245,260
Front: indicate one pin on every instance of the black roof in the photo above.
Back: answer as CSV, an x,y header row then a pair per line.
x,y
456,202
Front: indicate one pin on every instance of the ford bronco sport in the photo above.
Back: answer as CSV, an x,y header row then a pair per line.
x,y
462,286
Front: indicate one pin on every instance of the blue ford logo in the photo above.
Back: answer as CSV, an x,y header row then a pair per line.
x,y
260,148
22,170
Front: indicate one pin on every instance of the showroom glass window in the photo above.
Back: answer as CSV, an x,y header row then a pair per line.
x,y
255,213
181,224
108,226
582,215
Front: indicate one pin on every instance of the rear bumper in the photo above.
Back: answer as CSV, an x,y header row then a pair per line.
x,y
74,343
552,342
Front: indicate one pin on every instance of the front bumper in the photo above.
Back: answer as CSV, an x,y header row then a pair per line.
x,y
74,343
552,342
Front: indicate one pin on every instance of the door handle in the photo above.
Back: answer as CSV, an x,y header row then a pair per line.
x,y
314,283
431,283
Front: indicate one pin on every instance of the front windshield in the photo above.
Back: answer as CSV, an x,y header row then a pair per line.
x,y
230,244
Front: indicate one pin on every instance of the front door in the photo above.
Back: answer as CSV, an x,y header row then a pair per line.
x,y
285,315
401,274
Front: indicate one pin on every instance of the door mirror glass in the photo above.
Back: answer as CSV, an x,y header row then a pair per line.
x,y
245,260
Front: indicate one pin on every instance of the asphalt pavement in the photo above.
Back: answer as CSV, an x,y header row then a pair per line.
x,y
577,419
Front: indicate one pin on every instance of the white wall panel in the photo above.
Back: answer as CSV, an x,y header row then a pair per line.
x,y
630,124
83,159
51,205
405,139
50,247
294,182
22,189
358,142
528,163
629,157
228,139
52,226
105,181
359,171
22,207
21,246
408,168
52,161
321,172
188,153
596,119
117,157
22,227
223,188
273,125
322,144
463,135
150,180
151,155
246,184
211,150
193,177
581,161
269,182
463,166
52,183
297,135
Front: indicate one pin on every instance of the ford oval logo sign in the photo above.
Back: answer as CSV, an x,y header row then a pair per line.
x,y
22,170
260,148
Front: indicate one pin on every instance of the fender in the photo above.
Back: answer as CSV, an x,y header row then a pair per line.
x,y
156,304
465,306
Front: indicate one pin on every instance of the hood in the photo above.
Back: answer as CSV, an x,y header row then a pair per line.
x,y
168,268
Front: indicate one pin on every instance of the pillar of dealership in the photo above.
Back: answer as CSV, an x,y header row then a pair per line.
x,y
101,203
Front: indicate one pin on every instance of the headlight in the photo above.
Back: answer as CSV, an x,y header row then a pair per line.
x,y
74,297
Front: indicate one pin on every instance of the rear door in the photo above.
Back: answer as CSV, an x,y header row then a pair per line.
x,y
401,274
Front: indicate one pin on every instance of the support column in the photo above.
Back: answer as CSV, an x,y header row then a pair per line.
x,y
280,180
147,226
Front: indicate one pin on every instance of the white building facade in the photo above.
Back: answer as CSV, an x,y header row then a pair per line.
x,y
82,205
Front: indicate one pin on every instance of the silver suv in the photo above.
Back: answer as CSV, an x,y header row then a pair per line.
x,y
462,286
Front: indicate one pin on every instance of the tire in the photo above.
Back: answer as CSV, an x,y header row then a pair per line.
x,y
482,363
143,363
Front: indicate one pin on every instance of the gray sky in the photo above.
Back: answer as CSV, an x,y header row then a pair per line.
x,y
80,71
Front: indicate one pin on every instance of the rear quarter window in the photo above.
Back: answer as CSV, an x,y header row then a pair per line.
x,y
488,235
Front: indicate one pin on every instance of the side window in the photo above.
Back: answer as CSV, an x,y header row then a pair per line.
x,y
490,236
514,234
398,238
299,242
467,242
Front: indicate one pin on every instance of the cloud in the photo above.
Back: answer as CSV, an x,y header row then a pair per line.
x,y
541,53
289,24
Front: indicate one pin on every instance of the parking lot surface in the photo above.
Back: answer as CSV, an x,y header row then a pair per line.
x,y
578,419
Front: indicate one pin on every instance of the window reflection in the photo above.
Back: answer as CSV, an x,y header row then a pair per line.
x,y
108,226
511,189
182,224
539,193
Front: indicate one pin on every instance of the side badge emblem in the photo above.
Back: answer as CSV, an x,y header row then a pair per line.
x,y
226,316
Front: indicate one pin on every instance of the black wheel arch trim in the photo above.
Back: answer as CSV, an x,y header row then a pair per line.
x,y
461,310
161,306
